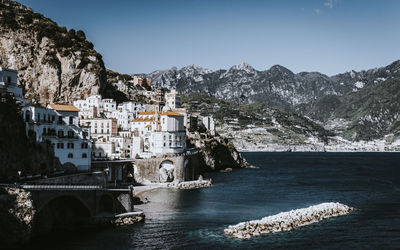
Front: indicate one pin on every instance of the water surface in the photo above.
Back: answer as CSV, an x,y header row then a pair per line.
x,y
180,219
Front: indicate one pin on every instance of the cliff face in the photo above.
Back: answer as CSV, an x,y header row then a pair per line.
x,y
218,153
54,64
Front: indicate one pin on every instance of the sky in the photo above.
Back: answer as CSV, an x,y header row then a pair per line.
x,y
329,36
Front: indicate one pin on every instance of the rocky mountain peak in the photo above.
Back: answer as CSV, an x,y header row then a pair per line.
x,y
243,66
280,70
195,69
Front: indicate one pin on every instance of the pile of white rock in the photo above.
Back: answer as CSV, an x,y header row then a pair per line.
x,y
194,184
286,221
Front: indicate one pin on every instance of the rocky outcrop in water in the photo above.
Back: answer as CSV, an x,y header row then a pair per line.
x,y
286,221
218,153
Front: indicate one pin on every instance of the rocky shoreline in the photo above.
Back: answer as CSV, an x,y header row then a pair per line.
x,y
117,220
286,221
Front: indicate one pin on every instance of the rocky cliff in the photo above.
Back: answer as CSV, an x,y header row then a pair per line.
x,y
17,215
54,64
217,152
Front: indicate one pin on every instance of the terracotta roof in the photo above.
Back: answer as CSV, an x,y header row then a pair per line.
x,y
62,107
171,113
143,120
147,113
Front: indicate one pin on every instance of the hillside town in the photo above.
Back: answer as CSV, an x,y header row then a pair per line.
x,y
97,129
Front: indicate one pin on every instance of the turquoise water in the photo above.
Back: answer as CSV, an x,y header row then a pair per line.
x,y
181,219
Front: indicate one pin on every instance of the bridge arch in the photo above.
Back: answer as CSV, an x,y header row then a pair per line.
x,y
63,211
167,171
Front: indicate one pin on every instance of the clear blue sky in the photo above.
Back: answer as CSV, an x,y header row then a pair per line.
x,y
330,36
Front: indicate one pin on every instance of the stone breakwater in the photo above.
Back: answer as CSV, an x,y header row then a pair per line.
x,y
193,184
286,221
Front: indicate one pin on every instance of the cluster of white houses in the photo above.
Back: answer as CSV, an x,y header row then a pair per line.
x,y
132,130
96,128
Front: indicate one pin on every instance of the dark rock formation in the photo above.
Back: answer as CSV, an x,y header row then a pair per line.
x,y
16,216
17,152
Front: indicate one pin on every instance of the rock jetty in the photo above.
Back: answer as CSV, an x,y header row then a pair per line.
x,y
286,221
194,184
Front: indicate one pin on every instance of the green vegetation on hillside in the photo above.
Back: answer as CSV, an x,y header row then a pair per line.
x,y
15,16
244,116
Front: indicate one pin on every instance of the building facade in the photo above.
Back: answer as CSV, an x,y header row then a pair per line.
x,y
59,125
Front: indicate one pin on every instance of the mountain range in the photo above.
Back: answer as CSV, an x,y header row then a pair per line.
x,y
56,64
367,102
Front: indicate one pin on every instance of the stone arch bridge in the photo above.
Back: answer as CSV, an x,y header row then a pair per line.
x,y
94,199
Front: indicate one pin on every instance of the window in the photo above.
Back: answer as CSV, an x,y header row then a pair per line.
x,y
70,155
70,145
71,120
70,133
95,130
84,155
60,121
164,144
60,145
38,117
8,79
44,131
84,145
60,133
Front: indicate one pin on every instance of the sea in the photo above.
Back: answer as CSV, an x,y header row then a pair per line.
x,y
195,219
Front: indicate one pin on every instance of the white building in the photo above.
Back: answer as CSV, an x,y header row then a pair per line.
x,y
209,123
123,118
172,99
101,130
94,106
158,133
59,124
9,82
133,107
109,105
122,146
